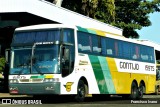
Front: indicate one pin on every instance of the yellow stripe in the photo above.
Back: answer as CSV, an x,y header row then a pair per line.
x,y
102,33
113,70
49,76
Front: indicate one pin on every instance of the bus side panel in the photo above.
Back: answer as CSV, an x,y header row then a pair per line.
x,y
121,80
149,80
102,74
151,84
83,68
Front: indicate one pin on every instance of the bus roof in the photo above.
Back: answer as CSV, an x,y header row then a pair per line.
x,y
154,44
88,30
44,26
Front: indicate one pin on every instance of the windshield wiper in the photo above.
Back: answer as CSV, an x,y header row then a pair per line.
x,y
20,71
23,65
37,69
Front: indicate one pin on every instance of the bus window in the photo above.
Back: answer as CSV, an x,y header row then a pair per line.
x,y
103,45
95,46
68,36
37,36
84,42
110,46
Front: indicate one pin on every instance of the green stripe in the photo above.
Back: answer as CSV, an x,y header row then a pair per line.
x,y
32,77
82,29
86,30
98,74
107,75
91,31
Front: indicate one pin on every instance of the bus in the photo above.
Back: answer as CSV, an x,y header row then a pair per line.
x,y
58,59
157,86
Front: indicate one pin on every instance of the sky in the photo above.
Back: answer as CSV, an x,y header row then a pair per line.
x,y
152,32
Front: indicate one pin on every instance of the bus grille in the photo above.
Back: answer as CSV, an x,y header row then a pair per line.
x,y
36,80
31,80
24,80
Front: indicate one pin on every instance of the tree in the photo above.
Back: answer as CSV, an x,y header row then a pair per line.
x,y
134,14
106,11
126,14
103,10
2,64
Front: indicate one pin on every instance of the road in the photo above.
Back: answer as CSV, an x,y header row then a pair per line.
x,y
61,101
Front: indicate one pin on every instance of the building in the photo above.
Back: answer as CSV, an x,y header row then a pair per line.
x,y
18,13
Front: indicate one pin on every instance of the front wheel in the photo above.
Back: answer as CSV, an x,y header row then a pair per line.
x,y
81,91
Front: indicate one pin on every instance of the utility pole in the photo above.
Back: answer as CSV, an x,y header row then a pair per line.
x,y
58,2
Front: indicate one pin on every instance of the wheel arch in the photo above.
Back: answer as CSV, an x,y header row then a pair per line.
x,y
134,81
85,82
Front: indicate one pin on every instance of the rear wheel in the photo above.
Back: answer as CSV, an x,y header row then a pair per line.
x,y
81,91
134,91
157,90
140,91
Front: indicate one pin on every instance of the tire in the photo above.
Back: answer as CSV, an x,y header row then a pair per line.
x,y
81,91
140,91
157,90
134,91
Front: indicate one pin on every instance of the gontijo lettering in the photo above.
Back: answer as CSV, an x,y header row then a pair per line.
x,y
129,65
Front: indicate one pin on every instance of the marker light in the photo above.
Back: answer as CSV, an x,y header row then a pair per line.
x,y
13,81
51,80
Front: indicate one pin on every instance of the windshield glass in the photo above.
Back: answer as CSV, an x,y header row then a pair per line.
x,y
36,36
44,60
21,61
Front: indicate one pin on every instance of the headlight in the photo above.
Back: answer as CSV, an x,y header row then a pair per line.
x,y
13,81
51,80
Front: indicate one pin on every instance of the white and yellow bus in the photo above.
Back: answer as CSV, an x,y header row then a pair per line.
x,y
70,60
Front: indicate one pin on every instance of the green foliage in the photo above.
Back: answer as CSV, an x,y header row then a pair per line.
x,y
2,64
103,10
106,11
126,14
134,14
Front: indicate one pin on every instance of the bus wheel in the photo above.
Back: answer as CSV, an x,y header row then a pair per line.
x,y
134,91
81,91
157,90
140,91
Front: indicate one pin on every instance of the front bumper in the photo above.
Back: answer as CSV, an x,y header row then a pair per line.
x,y
34,88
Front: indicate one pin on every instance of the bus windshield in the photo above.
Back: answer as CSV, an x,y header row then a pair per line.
x,y
44,60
